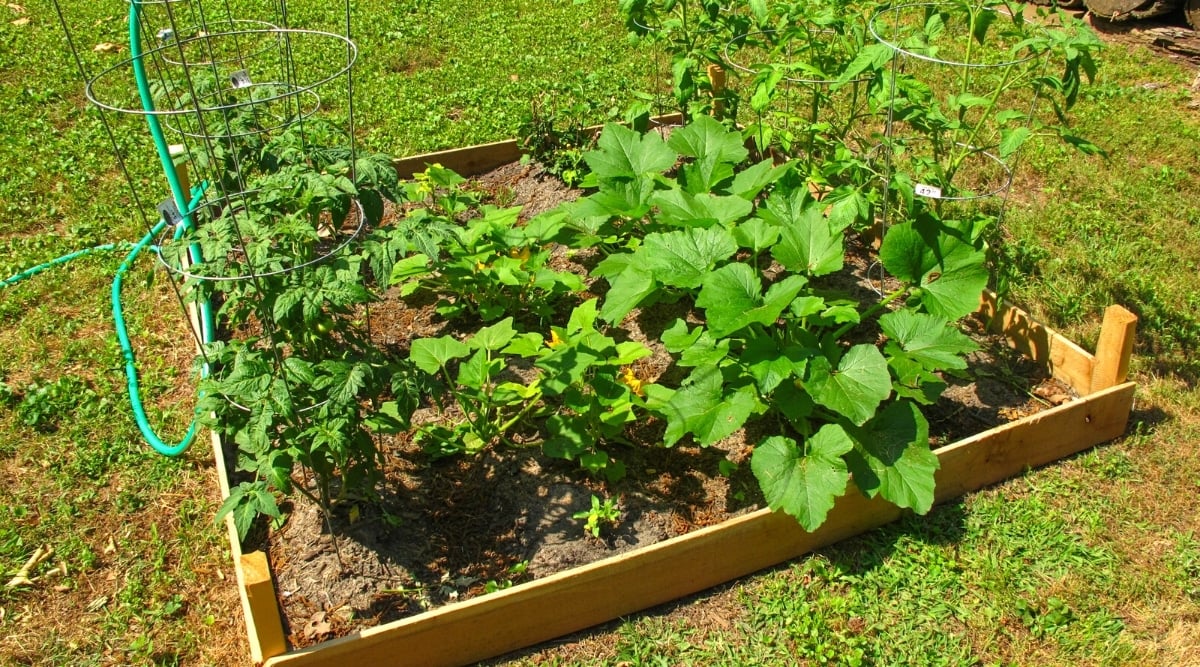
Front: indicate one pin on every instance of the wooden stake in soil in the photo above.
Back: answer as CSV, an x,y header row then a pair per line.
x,y
1114,348
716,76
260,595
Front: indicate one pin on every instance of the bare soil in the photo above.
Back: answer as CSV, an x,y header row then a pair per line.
x,y
453,529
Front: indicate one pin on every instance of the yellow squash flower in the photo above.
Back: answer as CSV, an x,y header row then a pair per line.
x,y
631,380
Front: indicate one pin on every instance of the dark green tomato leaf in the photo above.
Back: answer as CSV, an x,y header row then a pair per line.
x,y
622,153
683,258
682,209
928,339
706,408
869,58
936,257
892,457
732,298
431,354
342,380
804,484
856,387
299,371
1011,140
983,19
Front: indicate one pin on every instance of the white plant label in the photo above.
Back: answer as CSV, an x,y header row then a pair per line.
x,y
170,212
930,191
240,79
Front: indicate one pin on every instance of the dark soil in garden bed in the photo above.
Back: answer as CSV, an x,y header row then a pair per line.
x,y
456,528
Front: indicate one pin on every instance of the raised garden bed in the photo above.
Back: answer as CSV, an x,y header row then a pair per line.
x,y
575,599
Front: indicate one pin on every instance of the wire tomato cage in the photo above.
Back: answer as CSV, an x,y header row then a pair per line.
x,y
961,84
214,92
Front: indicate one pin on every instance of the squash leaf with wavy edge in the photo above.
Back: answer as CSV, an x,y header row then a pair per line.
x,y
732,298
684,258
716,151
805,484
695,348
769,363
682,209
809,243
622,153
936,257
856,387
704,406
432,354
891,457
927,339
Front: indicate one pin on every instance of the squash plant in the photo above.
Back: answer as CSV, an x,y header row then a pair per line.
x,y
747,249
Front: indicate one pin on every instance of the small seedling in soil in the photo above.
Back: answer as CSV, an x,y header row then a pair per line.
x,y
599,513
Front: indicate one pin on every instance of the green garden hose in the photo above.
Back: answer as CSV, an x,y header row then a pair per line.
x,y
131,374
58,261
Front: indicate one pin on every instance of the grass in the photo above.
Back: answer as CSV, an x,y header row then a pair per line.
x,y
1094,560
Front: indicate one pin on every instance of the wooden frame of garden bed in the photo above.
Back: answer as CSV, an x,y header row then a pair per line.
x,y
576,599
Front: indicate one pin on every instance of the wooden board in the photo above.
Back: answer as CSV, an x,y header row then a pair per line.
x,y
1065,360
474,160
569,601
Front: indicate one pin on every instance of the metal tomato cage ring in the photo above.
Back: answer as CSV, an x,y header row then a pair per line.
x,y
291,90
896,12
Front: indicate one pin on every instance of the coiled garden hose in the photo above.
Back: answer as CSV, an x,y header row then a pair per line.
x,y
131,375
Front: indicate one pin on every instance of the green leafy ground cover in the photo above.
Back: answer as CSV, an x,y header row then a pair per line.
x,y
1091,561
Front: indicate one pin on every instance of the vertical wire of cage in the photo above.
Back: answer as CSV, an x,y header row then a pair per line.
x,y
227,103
961,97
790,76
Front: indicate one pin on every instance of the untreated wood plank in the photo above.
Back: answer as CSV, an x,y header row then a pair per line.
x,y
1114,349
1065,360
476,160
576,599
1036,440
254,576
466,161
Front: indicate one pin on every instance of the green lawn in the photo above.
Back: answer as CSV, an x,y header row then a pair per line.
x,y
1091,561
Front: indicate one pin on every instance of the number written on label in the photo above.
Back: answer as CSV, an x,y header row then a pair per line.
x,y
930,191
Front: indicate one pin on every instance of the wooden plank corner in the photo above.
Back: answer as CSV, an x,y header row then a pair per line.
x,y
1114,350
